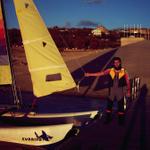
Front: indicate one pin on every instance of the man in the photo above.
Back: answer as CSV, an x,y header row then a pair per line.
x,y
119,85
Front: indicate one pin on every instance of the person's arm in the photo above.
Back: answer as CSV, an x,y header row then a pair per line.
x,y
96,74
128,84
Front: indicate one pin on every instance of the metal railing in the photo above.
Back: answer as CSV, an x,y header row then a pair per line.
x,y
135,87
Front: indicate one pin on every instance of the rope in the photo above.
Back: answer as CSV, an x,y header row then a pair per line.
x,y
78,64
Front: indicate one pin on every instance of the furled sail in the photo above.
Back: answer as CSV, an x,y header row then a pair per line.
x,y
5,73
48,71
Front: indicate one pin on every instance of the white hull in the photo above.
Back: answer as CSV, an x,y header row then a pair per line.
x,y
35,135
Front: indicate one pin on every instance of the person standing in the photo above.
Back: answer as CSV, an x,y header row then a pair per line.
x,y
119,87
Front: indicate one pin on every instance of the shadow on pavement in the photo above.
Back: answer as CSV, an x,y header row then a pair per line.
x,y
139,112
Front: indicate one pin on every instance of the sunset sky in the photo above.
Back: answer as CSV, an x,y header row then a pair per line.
x,y
87,13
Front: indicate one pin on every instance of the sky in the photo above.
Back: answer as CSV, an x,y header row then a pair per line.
x,y
88,13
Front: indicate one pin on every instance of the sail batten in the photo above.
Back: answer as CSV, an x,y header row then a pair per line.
x,y
35,40
48,70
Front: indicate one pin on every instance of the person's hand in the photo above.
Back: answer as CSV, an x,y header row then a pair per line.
x,y
86,74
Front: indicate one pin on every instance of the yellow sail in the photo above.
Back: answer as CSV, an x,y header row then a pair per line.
x,y
48,71
5,73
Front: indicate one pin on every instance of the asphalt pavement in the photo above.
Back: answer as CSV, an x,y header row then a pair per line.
x,y
134,134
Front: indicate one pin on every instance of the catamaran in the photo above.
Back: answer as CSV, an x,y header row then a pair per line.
x,y
49,74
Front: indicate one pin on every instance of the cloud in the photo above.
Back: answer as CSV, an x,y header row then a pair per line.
x,y
87,23
94,1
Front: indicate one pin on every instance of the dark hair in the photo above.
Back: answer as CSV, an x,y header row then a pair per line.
x,y
117,58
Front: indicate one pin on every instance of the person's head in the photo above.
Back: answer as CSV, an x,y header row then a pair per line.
x,y
117,63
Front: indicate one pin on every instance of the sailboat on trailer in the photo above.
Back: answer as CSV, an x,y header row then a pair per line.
x,y
49,74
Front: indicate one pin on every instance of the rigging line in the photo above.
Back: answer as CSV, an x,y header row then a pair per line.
x,y
77,62
14,88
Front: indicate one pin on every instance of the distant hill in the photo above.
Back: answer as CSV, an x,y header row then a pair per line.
x,y
73,38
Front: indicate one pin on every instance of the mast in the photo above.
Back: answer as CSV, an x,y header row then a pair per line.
x,y
14,87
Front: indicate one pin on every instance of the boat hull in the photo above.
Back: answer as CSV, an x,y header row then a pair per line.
x,y
35,135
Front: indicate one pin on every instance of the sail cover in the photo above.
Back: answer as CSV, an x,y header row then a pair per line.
x,y
5,73
48,71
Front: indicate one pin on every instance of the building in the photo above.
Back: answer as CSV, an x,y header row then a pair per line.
x,y
99,31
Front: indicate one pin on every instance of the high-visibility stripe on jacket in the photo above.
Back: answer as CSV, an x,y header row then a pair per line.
x,y
121,76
